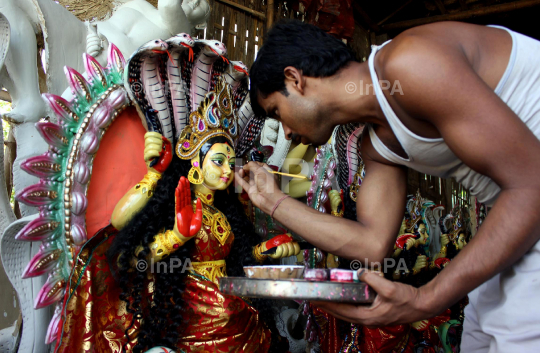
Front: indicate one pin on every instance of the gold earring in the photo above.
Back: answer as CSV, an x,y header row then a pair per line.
x,y
195,175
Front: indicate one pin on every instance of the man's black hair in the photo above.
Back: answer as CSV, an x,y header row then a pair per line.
x,y
300,45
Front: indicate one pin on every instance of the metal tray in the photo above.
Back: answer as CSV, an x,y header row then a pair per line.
x,y
355,293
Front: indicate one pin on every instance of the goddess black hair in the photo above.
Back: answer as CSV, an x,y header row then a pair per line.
x,y
300,45
164,317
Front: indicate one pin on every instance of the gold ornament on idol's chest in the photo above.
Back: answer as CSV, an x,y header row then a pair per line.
x,y
214,219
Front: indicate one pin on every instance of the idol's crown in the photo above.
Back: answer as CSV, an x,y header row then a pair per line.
x,y
215,116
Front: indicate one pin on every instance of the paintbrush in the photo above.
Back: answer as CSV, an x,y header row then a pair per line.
x,y
289,175
280,173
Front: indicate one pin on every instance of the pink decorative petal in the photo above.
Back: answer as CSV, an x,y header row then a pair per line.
x,y
115,59
53,330
46,258
60,107
41,194
39,229
45,166
51,292
79,85
54,135
94,70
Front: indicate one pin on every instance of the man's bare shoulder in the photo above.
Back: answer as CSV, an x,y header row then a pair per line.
x,y
424,60
420,48
447,33
417,46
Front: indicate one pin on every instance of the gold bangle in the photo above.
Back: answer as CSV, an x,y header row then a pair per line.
x,y
174,239
166,243
148,183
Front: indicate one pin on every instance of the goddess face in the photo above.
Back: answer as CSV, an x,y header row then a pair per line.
x,y
461,242
218,167
423,234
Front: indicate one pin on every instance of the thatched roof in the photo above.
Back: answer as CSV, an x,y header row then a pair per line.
x,y
92,9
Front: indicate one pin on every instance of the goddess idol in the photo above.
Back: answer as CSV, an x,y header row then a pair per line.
x,y
176,307
150,278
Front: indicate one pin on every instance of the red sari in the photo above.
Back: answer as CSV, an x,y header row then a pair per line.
x,y
94,318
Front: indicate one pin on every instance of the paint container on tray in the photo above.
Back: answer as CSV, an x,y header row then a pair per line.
x,y
340,275
355,277
316,274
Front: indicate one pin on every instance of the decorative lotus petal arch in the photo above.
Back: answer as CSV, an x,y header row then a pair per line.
x,y
64,172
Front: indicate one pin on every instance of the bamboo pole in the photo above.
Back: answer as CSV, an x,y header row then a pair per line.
x,y
495,9
258,14
269,14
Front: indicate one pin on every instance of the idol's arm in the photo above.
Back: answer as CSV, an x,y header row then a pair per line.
x,y
164,244
379,211
155,146
134,200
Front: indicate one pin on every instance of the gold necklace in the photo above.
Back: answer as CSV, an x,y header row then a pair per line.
x,y
216,221
207,199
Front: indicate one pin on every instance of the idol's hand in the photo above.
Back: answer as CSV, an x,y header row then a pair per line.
x,y
445,240
187,223
284,244
411,243
286,250
396,303
335,200
260,185
157,151
420,264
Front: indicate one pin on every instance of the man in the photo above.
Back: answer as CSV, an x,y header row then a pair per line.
x,y
465,105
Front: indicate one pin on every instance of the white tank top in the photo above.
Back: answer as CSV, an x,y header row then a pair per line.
x,y
519,88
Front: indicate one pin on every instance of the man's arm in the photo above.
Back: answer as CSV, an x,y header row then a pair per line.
x,y
441,88
379,211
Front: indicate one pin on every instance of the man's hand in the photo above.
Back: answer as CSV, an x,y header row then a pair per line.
x,y
260,185
396,303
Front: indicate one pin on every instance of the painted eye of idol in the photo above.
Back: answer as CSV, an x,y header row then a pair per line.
x,y
218,159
